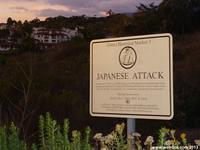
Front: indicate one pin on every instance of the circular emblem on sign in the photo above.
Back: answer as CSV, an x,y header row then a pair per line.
x,y
127,57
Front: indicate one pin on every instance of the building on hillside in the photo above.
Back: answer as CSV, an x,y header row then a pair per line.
x,y
7,41
48,38
6,46
3,26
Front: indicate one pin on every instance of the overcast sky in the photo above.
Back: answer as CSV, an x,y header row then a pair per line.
x,y
30,9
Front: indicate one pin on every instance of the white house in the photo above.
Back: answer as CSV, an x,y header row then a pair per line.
x,y
6,46
48,37
7,42
3,26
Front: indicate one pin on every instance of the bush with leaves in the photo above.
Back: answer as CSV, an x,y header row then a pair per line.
x,y
54,137
9,139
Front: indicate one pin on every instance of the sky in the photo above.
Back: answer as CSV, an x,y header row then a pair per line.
x,y
31,9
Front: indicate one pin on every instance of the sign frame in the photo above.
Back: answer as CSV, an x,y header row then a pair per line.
x,y
135,115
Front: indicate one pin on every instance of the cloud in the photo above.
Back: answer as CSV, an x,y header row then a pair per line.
x,y
103,5
95,7
98,5
120,6
71,12
21,0
54,13
73,3
30,9
18,9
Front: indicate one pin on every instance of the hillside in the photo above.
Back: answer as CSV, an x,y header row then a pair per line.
x,y
58,82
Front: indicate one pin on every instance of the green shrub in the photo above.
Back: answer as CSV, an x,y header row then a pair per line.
x,y
53,136
9,139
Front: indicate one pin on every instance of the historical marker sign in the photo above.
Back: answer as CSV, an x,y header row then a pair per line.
x,y
132,77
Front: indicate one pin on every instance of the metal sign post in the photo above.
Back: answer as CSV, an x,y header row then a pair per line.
x,y
130,126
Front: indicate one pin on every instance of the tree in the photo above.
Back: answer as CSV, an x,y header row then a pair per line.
x,y
110,12
145,21
176,15
35,21
27,28
9,21
147,8
16,96
28,45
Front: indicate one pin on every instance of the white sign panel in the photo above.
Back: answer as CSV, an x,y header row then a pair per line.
x,y
132,77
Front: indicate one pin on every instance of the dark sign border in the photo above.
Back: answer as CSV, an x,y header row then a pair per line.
x,y
135,114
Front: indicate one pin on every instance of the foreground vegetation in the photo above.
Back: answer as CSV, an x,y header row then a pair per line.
x,y
53,136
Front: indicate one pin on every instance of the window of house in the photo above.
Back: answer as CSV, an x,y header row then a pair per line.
x,y
53,37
